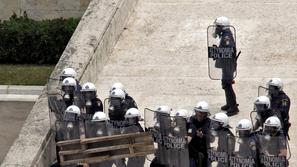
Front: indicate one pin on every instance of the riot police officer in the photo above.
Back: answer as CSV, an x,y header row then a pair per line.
x,y
133,117
162,129
91,102
69,72
71,94
198,132
274,137
262,107
220,129
117,108
228,66
128,99
246,151
280,102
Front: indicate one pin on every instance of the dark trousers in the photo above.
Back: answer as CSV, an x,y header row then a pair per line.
x,y
229,92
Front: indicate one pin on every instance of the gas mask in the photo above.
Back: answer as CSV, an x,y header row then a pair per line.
x,y
270,130
68,92
88,97
260,108
215,125
273,91
217,31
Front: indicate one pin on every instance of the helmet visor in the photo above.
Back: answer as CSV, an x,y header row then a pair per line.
x,y
260,107
273,90
215,125
272,130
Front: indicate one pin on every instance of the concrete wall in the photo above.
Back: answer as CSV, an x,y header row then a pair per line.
x,y
43,9
87,52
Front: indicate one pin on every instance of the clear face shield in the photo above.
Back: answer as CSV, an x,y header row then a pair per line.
x,y
243,132
68,92
88,97
270,130
217,31
260,108
215,125
132,121
70,117
273,90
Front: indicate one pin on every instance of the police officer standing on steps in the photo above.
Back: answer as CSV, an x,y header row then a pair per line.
x,y
198,132
280,102
128,99
228,66
91,102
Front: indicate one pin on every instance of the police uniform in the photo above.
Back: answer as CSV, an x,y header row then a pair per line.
x,y
228,68
261,117
130,102
280,104
198,146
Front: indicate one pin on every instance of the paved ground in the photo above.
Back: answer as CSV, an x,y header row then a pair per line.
x,y
12,117
162,57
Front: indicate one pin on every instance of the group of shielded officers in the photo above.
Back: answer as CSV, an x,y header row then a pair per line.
x,y
259,141
78,106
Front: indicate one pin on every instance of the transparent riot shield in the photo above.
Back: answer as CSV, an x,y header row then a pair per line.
x,y
222,55
55,101
177,143
98,129
273,151
161,126
254,119
244,153
67,130
262,91
220,145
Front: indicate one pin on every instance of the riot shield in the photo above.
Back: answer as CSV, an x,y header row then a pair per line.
x,y
254,119
67,130
244,154
98,129
169,134
177,143
161,127
55,101
220,145
222,56
262,91
273,151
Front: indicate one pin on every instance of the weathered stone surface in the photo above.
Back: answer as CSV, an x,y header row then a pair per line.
x,y
88,49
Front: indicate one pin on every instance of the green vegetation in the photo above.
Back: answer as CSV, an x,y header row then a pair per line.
x,y
27,41
24,74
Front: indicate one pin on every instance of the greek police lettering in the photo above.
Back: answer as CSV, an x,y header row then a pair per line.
x,y
119,123
273,161
241,162
217,156
220,53
174,142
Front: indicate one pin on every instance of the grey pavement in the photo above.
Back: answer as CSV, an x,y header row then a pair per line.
x,y
161,57
12,117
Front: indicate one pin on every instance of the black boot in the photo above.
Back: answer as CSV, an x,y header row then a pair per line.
x,y
225,107
232,110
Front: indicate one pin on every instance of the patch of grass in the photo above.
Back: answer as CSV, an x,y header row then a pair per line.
x,y
24,74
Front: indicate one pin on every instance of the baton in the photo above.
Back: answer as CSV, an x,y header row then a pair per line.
x,y
238,55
